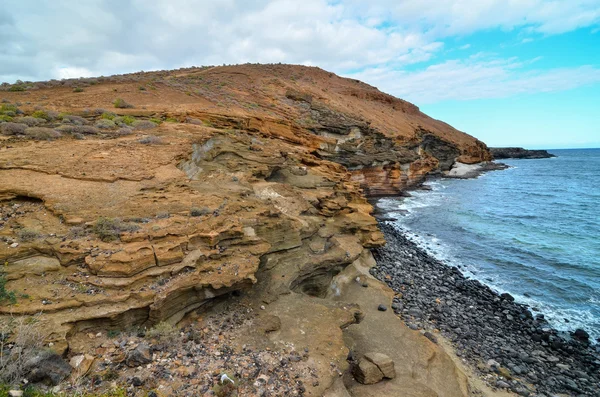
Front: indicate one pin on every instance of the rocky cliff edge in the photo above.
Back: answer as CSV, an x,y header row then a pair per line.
x,y
134,200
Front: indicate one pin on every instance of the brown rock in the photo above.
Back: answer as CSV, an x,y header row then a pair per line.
x,y
366,372
383,362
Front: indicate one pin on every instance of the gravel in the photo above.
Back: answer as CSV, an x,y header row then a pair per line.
x,y
484,326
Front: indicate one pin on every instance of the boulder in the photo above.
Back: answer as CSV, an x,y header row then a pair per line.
x,y
139,356
47,367
366,372
383,362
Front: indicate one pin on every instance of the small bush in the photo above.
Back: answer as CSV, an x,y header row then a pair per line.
x,y
28,235
42,133
24,343
150,140
42,114
120,103
7,107
199,211
110,229
156,120
108,116
105,124
143,125
77,89
124,131
124,120
77,129
5,296
71,119
164,332
31,121
16,88
12,128
4,118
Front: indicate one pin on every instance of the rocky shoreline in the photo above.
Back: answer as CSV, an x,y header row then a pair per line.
x,y
508,345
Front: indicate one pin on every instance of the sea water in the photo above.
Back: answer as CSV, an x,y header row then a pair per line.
x,y
532,230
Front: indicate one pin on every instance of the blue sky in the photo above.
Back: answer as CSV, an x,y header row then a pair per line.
x,y
510,72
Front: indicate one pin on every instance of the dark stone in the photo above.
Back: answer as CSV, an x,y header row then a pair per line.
x,y
382,308
137,382
139,356
47,367
581,335
507,297
430,336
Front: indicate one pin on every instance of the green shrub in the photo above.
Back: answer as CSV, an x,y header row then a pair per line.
x,y
41,114
156,120
17,87
6,295
108,116
77,89
7,107
122,104
5,118
171,120
127,120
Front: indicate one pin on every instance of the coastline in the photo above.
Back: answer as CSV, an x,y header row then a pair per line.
x,y
507,345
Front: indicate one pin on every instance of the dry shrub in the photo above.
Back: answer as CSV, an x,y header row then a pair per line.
x,y
151,140
78,129
105,124
143,125
163,332
109,229
124,131
11,128
120,103
21,339
42,133
31,121
76,120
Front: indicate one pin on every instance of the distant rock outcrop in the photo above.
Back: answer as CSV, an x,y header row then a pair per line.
x,y
519,153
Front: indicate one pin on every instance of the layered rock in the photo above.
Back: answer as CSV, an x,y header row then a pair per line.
x,y
255,181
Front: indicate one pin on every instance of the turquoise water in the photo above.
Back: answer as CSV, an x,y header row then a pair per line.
x,y
532,230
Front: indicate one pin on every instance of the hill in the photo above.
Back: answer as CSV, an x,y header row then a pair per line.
x,y
133,201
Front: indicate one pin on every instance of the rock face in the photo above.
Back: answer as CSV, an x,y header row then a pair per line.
x,y
243,178
519,153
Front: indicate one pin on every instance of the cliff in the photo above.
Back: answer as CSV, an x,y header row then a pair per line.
x,y
519,153
133,200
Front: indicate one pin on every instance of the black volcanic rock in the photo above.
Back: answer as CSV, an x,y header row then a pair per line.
x,y
519,153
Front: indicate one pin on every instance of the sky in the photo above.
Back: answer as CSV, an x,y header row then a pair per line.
x,y
510,72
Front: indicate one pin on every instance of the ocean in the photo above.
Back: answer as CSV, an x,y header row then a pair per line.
x,y
532,230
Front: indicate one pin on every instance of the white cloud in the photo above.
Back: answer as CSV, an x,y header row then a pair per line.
x,y
72,72
476,78
42,40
